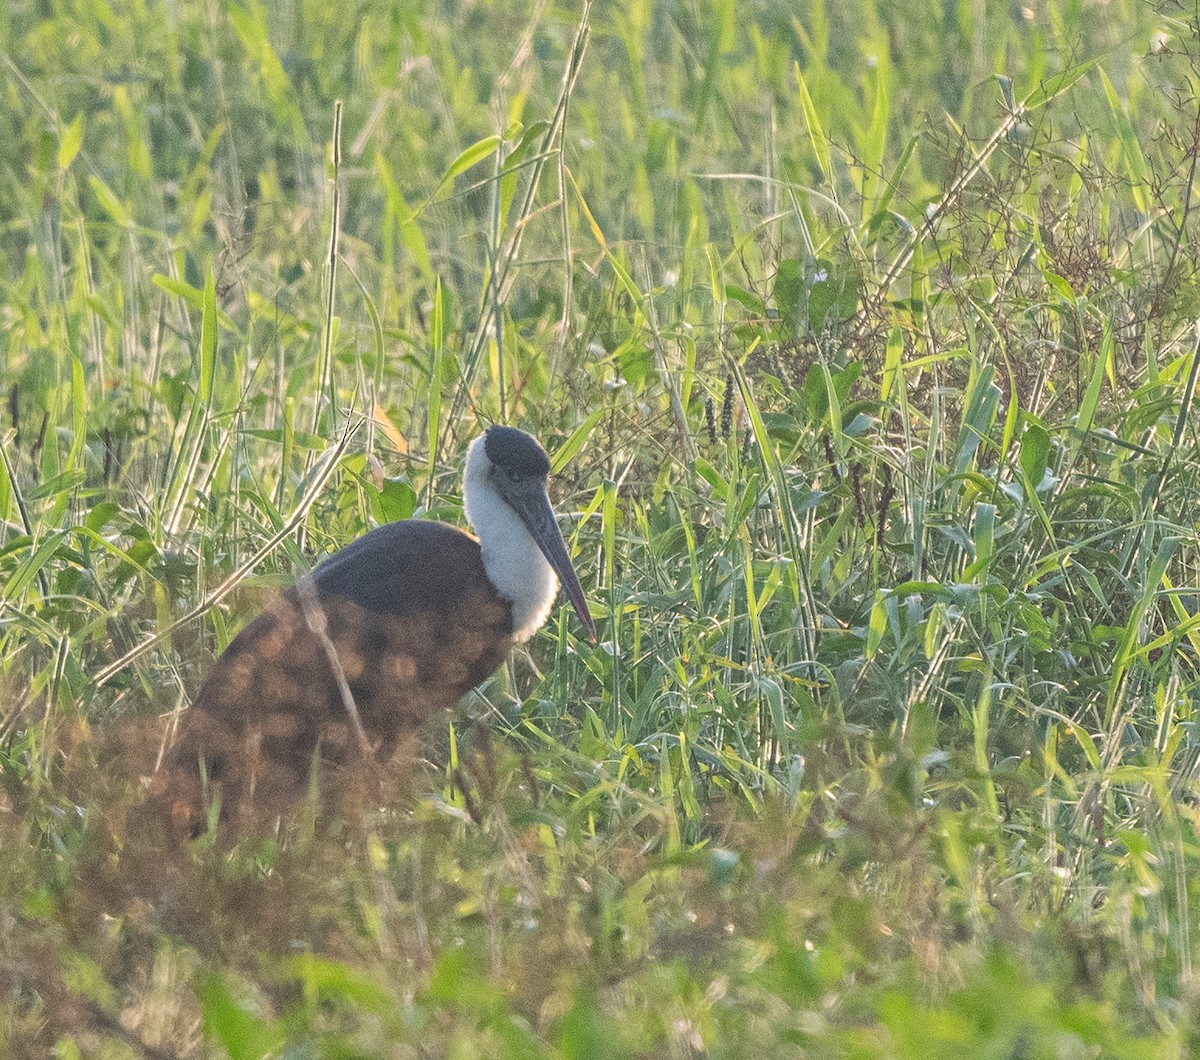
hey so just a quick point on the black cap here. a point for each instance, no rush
(511, 448)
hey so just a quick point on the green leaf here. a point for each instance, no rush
(109, 201)
(895, 179)
(472, 156)
(982, 399)
(30, 569)
(832, 300)
(891, 363)
(60, 484)
(299, 439)
(1061, 286)
(250, 23)
(984, 538)
(636, 361)
(529, 138)
(6, 487)
(1035, 452)
(208, 339)
(585, 1033)
(788, 291)
(1091, 398)
(437, 339)
(877, 624)
(244, 1035)
(326, 979)
(747, 298)
(101, 515)
(70, 143)
(816, 133)
(566, 452)
(516, 160)
(874, 143)
(192, 295)
(1131, 148)
(1059, 83)
(395, 501)
(405, 219)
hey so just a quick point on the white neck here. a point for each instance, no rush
(514, 563)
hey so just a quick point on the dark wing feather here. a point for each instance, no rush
(411, 566)
(414, 624)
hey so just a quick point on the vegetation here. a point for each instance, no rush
(864, 340)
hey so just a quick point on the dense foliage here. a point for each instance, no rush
(864, 339)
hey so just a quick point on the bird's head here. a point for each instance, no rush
(507, 467)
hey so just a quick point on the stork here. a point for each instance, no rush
(382, 635)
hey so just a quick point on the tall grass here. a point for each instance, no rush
(864, 341)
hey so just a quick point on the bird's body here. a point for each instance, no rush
(394, 628)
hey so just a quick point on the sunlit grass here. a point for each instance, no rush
(863, 339)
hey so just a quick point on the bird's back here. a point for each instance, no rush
(394, 628)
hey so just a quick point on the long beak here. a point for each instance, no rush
(538, 517)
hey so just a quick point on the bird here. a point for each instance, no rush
(384, 634)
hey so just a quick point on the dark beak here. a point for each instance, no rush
(538, 517)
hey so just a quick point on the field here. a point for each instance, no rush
(864, 340)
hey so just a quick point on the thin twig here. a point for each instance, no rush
(314, 615)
